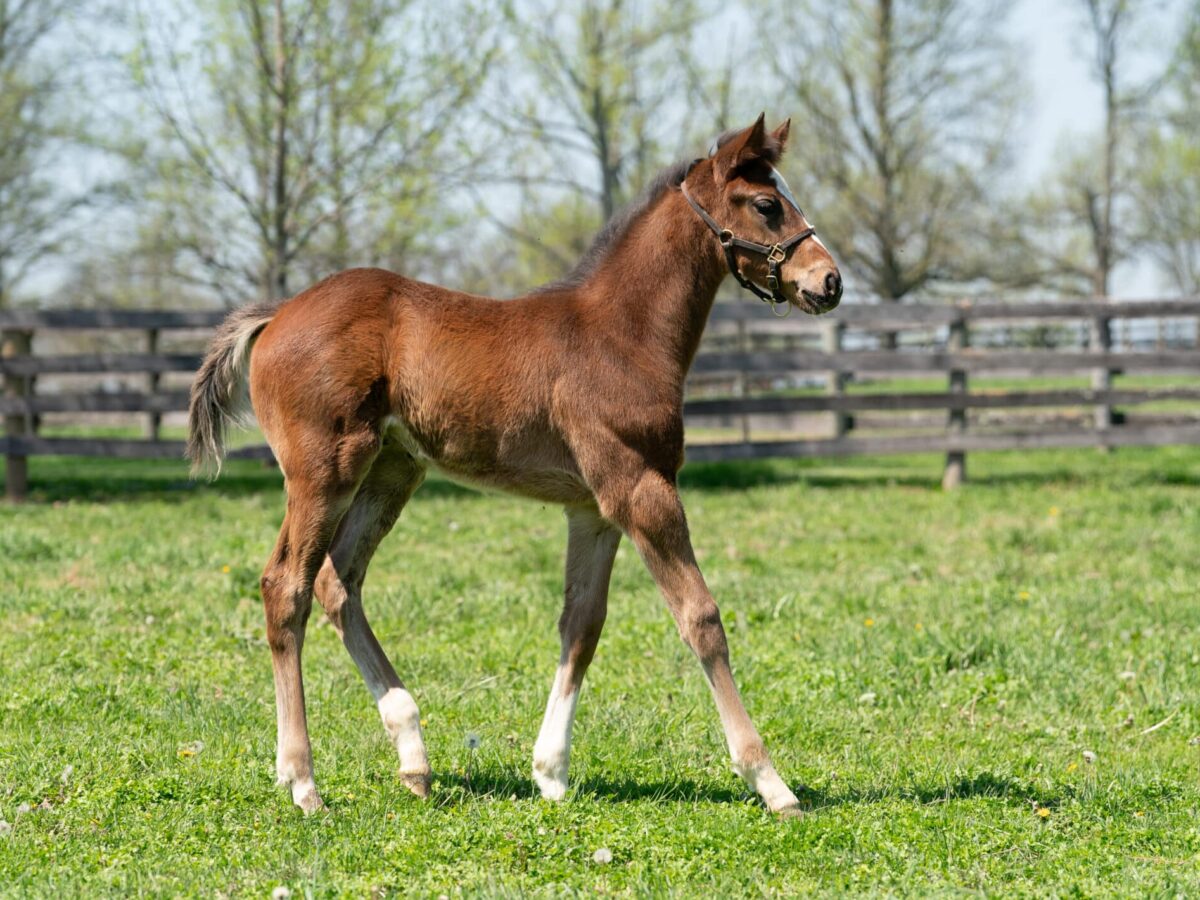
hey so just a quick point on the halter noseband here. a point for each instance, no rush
(775, 254)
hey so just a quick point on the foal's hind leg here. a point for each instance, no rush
(287, 583)
(380, 498)
(591, 547)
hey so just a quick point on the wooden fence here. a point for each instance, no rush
(808, 386)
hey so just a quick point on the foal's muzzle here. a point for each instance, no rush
(817, 303)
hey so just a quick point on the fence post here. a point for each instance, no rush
(153, 419)
(956, 421)
(16, 473)
(835, 380)
(739, 378)
(1101, 341)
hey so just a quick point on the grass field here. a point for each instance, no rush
(933, 667)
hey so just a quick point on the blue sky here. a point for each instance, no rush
(1067, 101)
(1065, 98)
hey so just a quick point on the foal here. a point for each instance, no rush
(570, 395)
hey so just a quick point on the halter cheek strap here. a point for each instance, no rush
(775, 254)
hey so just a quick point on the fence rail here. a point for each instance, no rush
(783, 378)
(862, 315)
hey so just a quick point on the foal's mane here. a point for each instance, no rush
(618, 226)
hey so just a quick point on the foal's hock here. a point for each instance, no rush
(572, 394)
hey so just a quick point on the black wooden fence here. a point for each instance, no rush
(760, 387)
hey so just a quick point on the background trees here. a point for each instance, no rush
(297, 134)
(1079, 223)
(586, 106)
(482, 142)
(904, 124)
(37, 131)
(1166, 187)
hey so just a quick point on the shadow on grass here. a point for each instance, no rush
(58, 479)
(62, 479)
(493, 784)
(858, 472)
(484, 784)
(984, 785)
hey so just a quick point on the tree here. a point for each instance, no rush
(295, 128)
(1166, 191)
(36, 129)
(905, 108)
(1078, 222)
(1108, 20)
(601, 76)
(589, 106)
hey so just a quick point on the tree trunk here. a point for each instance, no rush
(1109, 30)
(280, 248)
(608, 174)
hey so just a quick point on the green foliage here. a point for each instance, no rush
(1167, 186)
(36, 128)
(299, 137)
(903, 129)
(933, 666)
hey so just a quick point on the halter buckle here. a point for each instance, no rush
(725, 237)
(776, 254)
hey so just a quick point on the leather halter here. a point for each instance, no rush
(775, 254)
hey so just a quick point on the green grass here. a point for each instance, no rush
(932, 666)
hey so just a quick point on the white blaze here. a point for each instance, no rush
(786, 192)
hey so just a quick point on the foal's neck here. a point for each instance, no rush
(657, 285)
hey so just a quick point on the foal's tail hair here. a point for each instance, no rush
(219, 396)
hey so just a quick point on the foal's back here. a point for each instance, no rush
(465, 383)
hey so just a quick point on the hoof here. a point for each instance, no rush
(795, 811)
(553, 787)
(308, 800)
(417, 782)
(554, 791)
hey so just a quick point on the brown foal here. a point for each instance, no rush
(571, 395)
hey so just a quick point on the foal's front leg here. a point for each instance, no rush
(591, 547)
(654, 519)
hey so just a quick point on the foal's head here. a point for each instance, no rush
(742, 191)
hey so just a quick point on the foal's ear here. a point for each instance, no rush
(745, 147)
(780, 135)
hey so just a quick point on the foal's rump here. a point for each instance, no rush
(304, 360)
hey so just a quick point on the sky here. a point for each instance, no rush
(1049, 40)
(1066, 100)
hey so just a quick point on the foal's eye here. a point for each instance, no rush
(767, 206)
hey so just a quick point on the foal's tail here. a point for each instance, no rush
(219, 395)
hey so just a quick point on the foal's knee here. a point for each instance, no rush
(701, 629)
(583, 615)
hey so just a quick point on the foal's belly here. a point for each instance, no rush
(532, 468)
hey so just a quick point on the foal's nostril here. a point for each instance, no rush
(833, 285)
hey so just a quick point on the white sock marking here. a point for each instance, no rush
(765, 781)
(402, 720)
(552, 752)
